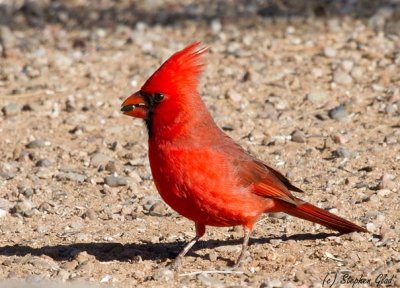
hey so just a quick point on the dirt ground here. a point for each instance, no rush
(310, 87)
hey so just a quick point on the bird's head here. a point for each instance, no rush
(171, 92)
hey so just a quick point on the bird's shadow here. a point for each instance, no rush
(106, 251)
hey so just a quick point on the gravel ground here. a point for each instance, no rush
(310, 87)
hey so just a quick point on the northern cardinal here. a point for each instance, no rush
(200, 171)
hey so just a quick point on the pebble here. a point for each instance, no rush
(338, 113)
(209, 281)
(44, 263)
(317, 97)
(391, 139)
(212, 256)
(7, 175)
(387, 181)
(298, 136)
(391, 109)
(7, 39)
(26, 191)
(11, 109)
(383, 192)
(233, 95)
(347, 65)
(159, 209)
(115, 181)
(371, 227)
(71, 176)
(82, 257)
(278, 215)
(90, 214)
(38, 143)
(5, 204)
(343, 152)
(358, 73)
(342, 77)
(43, 163)
(3, 213)
(99, 159)
(330, 52)
(63, 274)
(300, 276)
(164, 274)
(23, 207)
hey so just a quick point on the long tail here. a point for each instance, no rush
(312, 213)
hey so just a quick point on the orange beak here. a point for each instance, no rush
(135, 106)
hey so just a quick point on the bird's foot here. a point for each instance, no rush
(243, 259)
(175, 264)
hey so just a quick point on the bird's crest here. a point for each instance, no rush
(180, 73)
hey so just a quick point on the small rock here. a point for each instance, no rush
(213, 256)
(342, 77)
(383, 192)
(5, 204)
(330, 52)
(339, 138)
(278, 215)
(7, 175)
(26, 191)
(235, 96)
(343, 152)
(11, 109)
(63, 274)
(298, 137)
(391, 109)
(115, 181)
(38, 143)
(300, 276)
(7, 39)
(106, 279)
(206, 280)
(387, 181)
(347, 65)
(82, 257)
(99, 159)
(371, 227)
(356, 237)
(391, 139)
(358, 73)
(289, 285)
(90, 214)
(46, 207)
(43, 163)
(339, 112)
(317, 97)
(158, 209)
(216, 26)
(70, 265)
(44, 263)
(44, 173)
(23, 207)
(111, 167)
(71, 176)
(3, 213)
(163, 274)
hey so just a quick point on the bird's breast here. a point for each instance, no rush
(201, 185)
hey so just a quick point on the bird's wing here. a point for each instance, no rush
(264, 180)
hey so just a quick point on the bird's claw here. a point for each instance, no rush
(175, 264)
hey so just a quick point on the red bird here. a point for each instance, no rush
(200, 171)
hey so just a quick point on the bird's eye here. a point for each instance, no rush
(158, 97)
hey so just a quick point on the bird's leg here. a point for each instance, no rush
(239, 262)
(200, 230)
